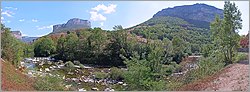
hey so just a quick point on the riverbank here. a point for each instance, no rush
(13, 79)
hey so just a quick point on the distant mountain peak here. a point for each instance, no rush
(72, 24)
(198, 14)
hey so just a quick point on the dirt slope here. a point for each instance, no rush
(234, 77)
(14, 80)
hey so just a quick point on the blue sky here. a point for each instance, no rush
(37, 18)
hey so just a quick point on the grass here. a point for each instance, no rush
(14, 80)
(207, 67)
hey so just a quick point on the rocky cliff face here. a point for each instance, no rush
(16, 34)
(72, 24)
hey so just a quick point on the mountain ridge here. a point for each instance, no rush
(198, 14)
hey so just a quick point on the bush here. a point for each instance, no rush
(49, 83)
(116, 74)
(172, 67)
(240, 57)
(100, 75)
(81, 65)
(206, 67)
(69, 64)
(169, 69)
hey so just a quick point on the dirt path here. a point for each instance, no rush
(234, 77)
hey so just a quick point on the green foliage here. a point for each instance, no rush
(44, 47)
(170, 27)
(95, 46)
(81, 65)
(171, 68)
(206, 67)
(100, 75)
(12, 48)
(240, 57)
(179, 48)
(49, 83)
(144, 70)
(70, 46)
(28, 50)
(69, 64)
(224, 32)
(116, 73)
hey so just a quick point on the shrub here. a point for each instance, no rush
(240, 57)
(169, 69)
(116, 73)
(81, 65)
(206, 67)
(100, 75)
(69, 64)
(172, 67)
(49, 83)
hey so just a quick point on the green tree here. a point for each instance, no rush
(28, 50)
(97, 43)
(60, 48)
(225, 31)
(44, 47)
(178, 49)
(145, 70)
(12, 48)
(118, 45)
(71, 46)
(168, 52)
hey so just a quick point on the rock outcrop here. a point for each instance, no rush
(16, 34)
(72, 24)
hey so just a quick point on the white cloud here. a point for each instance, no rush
(11, 8)
(107, 9)
(34, 20)
(97, 17)
(21, 20)
(2, 18)
(8, 13)
(44, 27)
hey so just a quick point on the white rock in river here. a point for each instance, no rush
(95, 89)
(107, 89)
(47, 69)
(82, 89)
(112, 90)
(67, 86)
(124, 84)
(120, 82)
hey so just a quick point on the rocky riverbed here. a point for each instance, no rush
(76, 78)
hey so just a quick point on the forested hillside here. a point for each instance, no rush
(165, 53)
(198, 14)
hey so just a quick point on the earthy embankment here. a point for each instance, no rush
(14, 80)
(234, 77)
